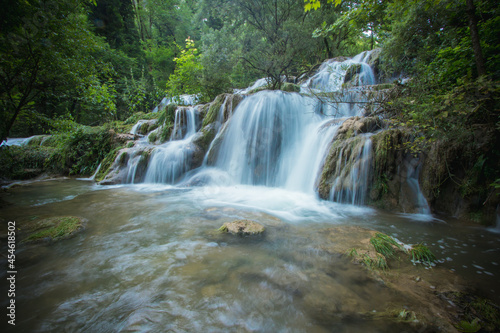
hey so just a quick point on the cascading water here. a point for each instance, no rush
(420, 204)
(353, 170)
(170, 161)
(332, 74)
(274, 139)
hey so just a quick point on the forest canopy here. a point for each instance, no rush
(95, 61)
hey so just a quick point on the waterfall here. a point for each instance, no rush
(421, 205)
(171, 160)
(333, 74)
(289, 141)
(353, 168)
(92, 178)
(184, 123)
(274, 139)
(136, 128)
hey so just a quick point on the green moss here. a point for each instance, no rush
(106, 164)
(165, 131)
(36, 141)
(223, 229)
(24, 162)
(153, 136)
(133, 119)
(213, 111)
(123, 158)
(256, 90)
(55, 228)
(167, 115)
(290, 87)
(469, 327)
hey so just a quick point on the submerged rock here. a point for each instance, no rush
(242, 227)
(53, 229)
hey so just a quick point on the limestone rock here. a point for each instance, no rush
(242, 227)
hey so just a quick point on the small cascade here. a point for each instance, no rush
(333, 74)
(352, 172)
(257, 84)
(184, 100)
(136, 128)
(416, 197)
(14, 142)
(92, 178)
(184, 123)
(171, 160)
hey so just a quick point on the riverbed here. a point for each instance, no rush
(151, 260)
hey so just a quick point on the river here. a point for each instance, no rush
(151, 260)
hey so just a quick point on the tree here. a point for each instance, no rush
(188, 71)
(49, 66)
(476, 43)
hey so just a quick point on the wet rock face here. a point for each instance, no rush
(357, 125)
(205, 136)
(243, 227)
(119, 172)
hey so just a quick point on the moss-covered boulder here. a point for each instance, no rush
(53, 229)
(344, 156)
(358, 125)
(205, 136)
(242, 227)
(129, 166)
(222, 107)
(290, 87)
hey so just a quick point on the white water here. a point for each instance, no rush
(137, 126)
(184, 100)
(275, 139)
(171, 160)
(351, 184)
(422, 207)
(331, 74)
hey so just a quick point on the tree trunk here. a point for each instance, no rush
(328, 50)
(474, 35)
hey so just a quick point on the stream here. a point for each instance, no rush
(151, 260)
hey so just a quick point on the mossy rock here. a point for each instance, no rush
(259, 89)
(106, 164)
(290, 87)
(352, 73)
(54, 229)
(242, 227)
(205, 136)
(133, 119)
(203, 111)
(213, 110)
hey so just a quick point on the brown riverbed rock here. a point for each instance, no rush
(242, 227)
(420, 285)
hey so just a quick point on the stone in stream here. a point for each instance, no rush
(242, 227)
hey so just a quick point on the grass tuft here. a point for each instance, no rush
(421, 254)
(385, 245)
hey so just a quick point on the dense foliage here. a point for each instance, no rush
(94, 62)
